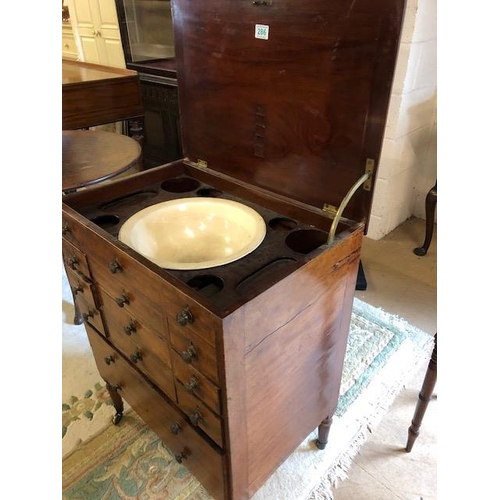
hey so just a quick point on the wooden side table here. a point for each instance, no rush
(93, 94)
(90, 156)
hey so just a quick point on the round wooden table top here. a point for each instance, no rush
(92, 156)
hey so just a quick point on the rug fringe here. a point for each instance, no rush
(339, 471)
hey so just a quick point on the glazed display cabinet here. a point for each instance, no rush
(147, 35)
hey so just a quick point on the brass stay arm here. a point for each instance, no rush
(333, 228)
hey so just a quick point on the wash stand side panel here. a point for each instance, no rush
(284, 355)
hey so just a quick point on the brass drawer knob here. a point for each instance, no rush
(73, 262)
(89, 314)
(109, 359)
(192, 384)
(179, 457)
(175, 428)
(122, 300)
(196, 417)
(189, 354)
(185, 317)
(66, 229)
(115, 266)
(136, 356)
(76, 289)
(130, 328)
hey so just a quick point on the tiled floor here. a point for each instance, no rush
(406, 285)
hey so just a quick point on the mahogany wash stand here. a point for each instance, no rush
(283, 106)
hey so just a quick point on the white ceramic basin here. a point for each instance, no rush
(194, 233)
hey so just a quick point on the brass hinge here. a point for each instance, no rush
(369, 166)
(201, 163)
(330, 209)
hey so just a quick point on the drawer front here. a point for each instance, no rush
(190, 319)
(73, 232)
(75, 259)
(143, 346)
(127, 298)
(90, 313)
(69, 45)
(200, 416)
(190, 380)
(195, 352)
(82, 287)
(198, 455)
(130, 330)
(114, 269)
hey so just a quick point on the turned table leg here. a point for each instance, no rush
(423, 398)
(430, 210)
(323, 431)
(117, 402)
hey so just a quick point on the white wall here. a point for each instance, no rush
(408, 164)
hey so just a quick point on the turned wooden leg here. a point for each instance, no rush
(323, 431)
(430, 211)
(117, 402)
(423, 398)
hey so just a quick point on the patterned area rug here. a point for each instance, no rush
(128, 461)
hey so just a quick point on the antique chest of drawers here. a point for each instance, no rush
(283, 106)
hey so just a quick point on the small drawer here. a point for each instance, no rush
(75, 259)
(73, 231)
(191, 317)
(127, 298)
(200, 416)
(195, 352)
(193, 382)
(69, 45)
(203, 459)
(81, 286)
(130, 331)
(155, 370)
(90, 314)
(144, 347)
(115, 269)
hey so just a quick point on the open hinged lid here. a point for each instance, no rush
(288, 95)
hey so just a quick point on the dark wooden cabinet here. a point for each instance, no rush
(162, 141)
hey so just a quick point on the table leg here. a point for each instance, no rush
(117, 402)
(430, 210)
(423, 398)
(323, 431)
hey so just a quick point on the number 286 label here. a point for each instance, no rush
(262, 31)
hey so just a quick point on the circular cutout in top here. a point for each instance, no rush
(282, 224)
(180, 184)
(306, 240)
(209, 192)
(206, 284)
(106, 221)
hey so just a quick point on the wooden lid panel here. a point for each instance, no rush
(297, 113)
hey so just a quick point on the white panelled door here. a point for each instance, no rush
(95, 24)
